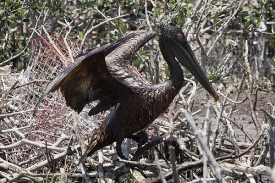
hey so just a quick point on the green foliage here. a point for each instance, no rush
(135, 61)
(272, 62)
(250, 17)
(231, 44)
(174, 13)
(272, 42)
(16, 12)
(80, 35)
(90, 13)
(12, 14)
(214, 75)
(167, 71)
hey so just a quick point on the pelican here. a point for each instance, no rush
(105, 75)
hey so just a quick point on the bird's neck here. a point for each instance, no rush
(176, 73)
(167, 91)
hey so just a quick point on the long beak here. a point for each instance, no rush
(186, 57)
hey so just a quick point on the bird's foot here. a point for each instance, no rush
(146, 147)
(140, 137)
(132, 166)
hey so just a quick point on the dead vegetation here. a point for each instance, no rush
(196, 140)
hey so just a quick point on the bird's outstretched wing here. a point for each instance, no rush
(118, 60)
(89, 79)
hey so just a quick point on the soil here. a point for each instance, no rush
(242, 112)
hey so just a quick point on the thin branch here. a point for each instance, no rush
(204, 146)
(98, 25)
(27, 45)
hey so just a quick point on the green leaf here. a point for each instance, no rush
(259, 20)
(124, 29)
(272, 62)
(21, 12)
(39, 6)
(80, 35)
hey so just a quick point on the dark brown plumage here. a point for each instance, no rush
(104, 74)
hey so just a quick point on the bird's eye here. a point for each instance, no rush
(180, 36)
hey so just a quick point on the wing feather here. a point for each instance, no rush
(89, 78)
(120, 58)
(85, 80)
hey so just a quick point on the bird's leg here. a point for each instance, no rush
(141, 138)
(121, 155)
(147, 147)
(119, 151)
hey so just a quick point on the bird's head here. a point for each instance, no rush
(175, 40)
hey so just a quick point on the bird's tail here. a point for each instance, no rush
(90, 148)
(100, 136)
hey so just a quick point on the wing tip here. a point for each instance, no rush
(38, 104)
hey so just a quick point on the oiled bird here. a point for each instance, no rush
(104, 74)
